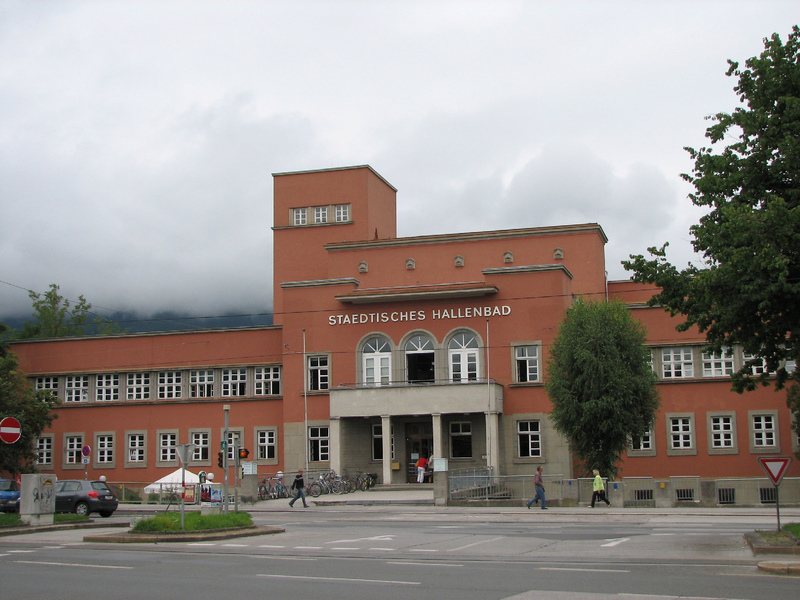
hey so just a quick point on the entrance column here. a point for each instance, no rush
(335, 440)
(493, 441)
(386, 440)
(438, 438)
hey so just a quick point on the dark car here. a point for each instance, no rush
(85, 497)
(9, 495)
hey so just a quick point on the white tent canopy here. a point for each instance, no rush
(171, 482)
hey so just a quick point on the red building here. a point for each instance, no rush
(385, 348)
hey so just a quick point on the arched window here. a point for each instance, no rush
(463, 357)
(420, 359)
(377, 361)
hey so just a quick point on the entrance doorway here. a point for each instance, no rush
(419, 442)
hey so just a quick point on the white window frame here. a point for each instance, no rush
(319, 443)
(318, 372)
(170, 385)
(201, 383)
(644, 446)
(267, 445)
(722, 433)
(202, 446)
(718, 364)
(167, 447)
(234, 382)
(376, 363)
(107, 387)
(463, 357)
(677, 362)
(460, 429)
(76, 389)
(73, 449)
(681, 434)
(320, 214)
(44, 450)
(135, 448)
(342, 213)
(529, 438)
(267, 381)
(299, 216)
(138, 386)
(104, 448)
(764, 431)
(526, 363)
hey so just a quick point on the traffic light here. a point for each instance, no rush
(220, 460)
(244, 453)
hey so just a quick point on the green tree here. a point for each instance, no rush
(54, 316)
(33, 410)
(601, 383)
(747, 290)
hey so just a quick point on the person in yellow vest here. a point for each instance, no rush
(599, 489)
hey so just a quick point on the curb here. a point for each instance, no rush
(182, 536)
(780, 568)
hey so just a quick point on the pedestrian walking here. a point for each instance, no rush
(298, 485)
(599, 489)
(538, 485)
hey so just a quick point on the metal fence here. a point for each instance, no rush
(482, 485)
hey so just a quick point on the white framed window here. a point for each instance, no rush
(377, 441)
(136, 448)
(73, 446)
(267, 444)
(527, 363)
(420, 359)
(201, 384)
(642, 444)
(377, 361)
(318, 444)
(718, 364)
(202, 446)
(300, 216)
(529, 436)
(167, 447)
(47, 384)
(318, 373)
(234, 382)
(138, 386)
(676, 363)
(463, 357)
(764, 431)
(460, 439)
(320, 214)
(342, 213)
(267, 381)
(76, 388)
(722, 433)
(44, 450)
(170, 385)
(104, 449)
(235, 440)
(758, 365)
(680, 435)
(107, 388)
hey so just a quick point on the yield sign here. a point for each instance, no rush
(775, 466)
(9, 430)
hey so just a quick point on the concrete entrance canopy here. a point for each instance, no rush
(429, 400)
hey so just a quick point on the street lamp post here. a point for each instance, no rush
(226, 408)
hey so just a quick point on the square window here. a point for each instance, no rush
(718, 365)
(234, 382)
(267, 381)
(107, 388)
(676, 363)
(170, 385)
(138, 386)
(201, 384)
(527, 359)
(320, 214)
(77, 388)
(342, 213)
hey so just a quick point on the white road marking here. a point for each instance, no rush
(616, 542)
(347, 579)
(585, 570)
(474, 544)
(58, 564)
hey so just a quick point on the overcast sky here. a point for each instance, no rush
(138, 139)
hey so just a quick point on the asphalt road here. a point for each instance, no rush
(398, 552)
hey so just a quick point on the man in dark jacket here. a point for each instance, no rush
(298, 485)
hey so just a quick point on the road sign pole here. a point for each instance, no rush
(226, 408)
(775, 467)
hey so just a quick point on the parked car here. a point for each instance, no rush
(9, 495)
(85, 497)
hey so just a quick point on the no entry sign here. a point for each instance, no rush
(10, 430)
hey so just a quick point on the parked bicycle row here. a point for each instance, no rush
(327, 482)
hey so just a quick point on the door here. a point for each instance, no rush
(419, 442)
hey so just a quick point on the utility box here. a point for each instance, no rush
(37, 499)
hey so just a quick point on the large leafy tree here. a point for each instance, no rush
(33, 410)
(747, 291)
(601, 383)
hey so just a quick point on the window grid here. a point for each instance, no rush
(644, 443)
(201, 384)
(170, 385)
(527, 364)
(202, 443)
(105, 449)
(234, 382)
(319, 444)
(530, 439)
(44, 450)
(342, 213)
(681, 433)
(136, 448)
(107, 389)
(461, 439)
(763, 431)
(167, 450)
(266, 444)
(47, 383)
(74, 445)
(77, 388)
(320, 214)
(676, 363)
(300, 216)
(318, 375)
(718, 365)
(138, 386)
(267, 381)
(721, 432)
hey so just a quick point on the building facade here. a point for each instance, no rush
(384, 349)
